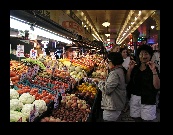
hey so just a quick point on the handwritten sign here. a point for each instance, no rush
(32, 114)
(54, 67)
(20, 120)
(33, 53)
(23, 77)
(20, 51)
(56, 100)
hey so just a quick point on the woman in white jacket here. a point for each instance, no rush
(113, 88)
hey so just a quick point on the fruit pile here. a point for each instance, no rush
(87, 87)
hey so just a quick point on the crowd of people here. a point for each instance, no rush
(132, 83)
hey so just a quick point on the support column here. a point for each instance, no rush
(135, 36)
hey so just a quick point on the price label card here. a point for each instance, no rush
(20, 120)
(33, 53)
(20, 51)
(56, 100)
(36, 69)
(32, 114)
(54, 67)
(23, 77)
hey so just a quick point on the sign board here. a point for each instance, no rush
(33, 53)
(20, 51)
(32, 114)
(56, 100)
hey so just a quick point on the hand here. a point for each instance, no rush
(132, 64)
(151, 65)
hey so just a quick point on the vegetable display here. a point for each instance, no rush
(14, 94)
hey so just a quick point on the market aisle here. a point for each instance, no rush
(125, 117)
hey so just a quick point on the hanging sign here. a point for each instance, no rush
(45, 43)
(20, 51)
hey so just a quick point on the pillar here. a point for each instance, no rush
(135, 36)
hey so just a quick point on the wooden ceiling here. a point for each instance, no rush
(119, 21)
(116, 18)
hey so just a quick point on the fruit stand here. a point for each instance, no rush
(60, 90)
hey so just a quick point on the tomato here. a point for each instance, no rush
(13, 78)
(43, 91)
(17, 77)
(41, 96)
(31, 93)
(47, 101)
(49, 96)
(44, 98)
(19, 91)
(37, 98)
(37, 94)
(53, 97)
(44, 94)
(12, 74)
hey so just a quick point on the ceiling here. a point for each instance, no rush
(119, 20)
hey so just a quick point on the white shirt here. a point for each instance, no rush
(126, 63)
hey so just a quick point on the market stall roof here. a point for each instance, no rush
(39, 20)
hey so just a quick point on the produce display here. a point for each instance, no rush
(71, 109)
(64, 76)
(20, 106)
(16, 70)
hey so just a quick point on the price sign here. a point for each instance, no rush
(54, 67)
(32, 114)
(33, 53)
(23, 77)
(20, 51)
(56, 100)
(20, 120)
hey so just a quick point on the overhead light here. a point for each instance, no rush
(152, 27)
(106, 24)
(108, 39)
(107, 35)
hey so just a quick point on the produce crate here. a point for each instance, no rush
(94, 109)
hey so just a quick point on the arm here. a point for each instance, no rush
(128, 75)
(156, 79)
(131, 66)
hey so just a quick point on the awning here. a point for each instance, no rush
(29, 16)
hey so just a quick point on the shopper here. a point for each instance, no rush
(113, 88)
(126, 58)
(125, 64)
(145, 82)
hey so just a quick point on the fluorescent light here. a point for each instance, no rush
(44, 33)
(13, 36)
